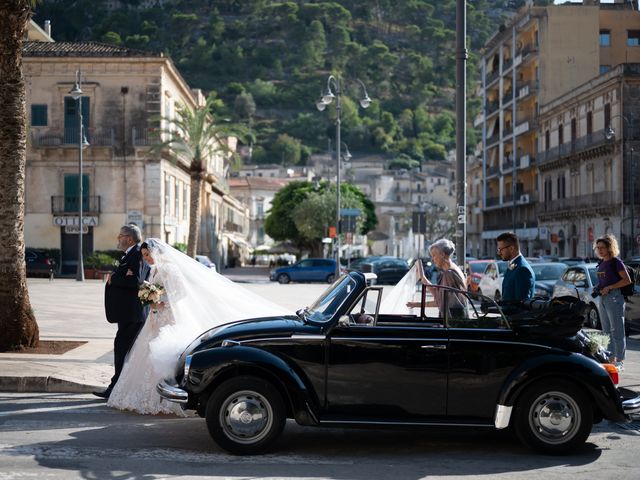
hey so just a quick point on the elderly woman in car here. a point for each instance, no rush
(450, 276)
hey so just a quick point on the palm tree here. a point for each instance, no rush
(193, 136)
(17, 321)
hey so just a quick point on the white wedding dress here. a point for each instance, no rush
(196, 299)
(136, 387)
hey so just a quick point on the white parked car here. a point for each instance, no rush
(206, 261)
(491, 282)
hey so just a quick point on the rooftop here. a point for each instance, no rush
(81, 49)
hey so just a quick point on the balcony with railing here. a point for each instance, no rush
(492, 107)
(493, 171)
(493, 139)
(69, 204)
(229, 226)
(492, 77)
(97, 137)
(580, 203)
(582, 144)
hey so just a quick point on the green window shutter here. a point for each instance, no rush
(39, 115)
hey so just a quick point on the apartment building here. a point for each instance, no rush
(587, 169)
(539, 55)
(127, 95)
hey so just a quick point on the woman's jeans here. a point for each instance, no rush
(613, 322)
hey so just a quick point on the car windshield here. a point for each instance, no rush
(548, 272)
(478, 267)
(330, 301)
(502, 267)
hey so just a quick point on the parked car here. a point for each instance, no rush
(547, 274)
(342, 363)
(307, 270)
(491, 282)
(579, 281)
(206, 261)
(389, 270)
(38, 263)
(474, 271)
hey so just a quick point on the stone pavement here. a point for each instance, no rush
(68, 310)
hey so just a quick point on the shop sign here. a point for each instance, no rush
(64, 221)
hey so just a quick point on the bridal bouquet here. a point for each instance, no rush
(150, 293)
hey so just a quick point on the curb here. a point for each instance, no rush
(44, 385)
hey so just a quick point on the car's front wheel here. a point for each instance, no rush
(245, 415)
(330, 278)
(592, 317)
(497, 296)
(283, 278)
(554, 417)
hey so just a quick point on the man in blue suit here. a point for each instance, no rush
(519, 280)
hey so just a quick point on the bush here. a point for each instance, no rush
(180, 246)
(100, 260)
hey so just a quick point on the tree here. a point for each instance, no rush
(302, 212)
(287, 149)
(195, 137)
(17, 321)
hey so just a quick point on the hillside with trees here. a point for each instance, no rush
(267, 62)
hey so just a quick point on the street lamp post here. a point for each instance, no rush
(325, 99)
(76, 94)
(610, 134)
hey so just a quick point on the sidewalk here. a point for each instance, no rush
(68, 310)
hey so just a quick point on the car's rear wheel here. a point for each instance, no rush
(592, 317)
(283, 278)
(554, 417)
(330, 278)
(497, 296)
(245, 415)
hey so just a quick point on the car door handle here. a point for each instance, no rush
(434, 347)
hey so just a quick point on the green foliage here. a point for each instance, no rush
(302, 212)
(180, 246)
(287, 149)
(101, 260)
(280, 52)
(403, 161)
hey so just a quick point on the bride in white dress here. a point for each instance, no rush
(196, 299)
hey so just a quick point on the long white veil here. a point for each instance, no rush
(403, 292)
(199, 298)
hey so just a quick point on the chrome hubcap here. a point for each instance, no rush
(593, 318)
(554, 417)
(246, 417)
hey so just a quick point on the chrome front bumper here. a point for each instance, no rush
(172, 392)
(630, 401)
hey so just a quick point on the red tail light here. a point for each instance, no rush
(613, 372)
(47, 262)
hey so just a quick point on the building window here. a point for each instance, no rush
(633, 38)
(560, 134)
(604, 68)
(547, 139)
(185, 197)
(259, 209)
(607, 115)
(605, 38)
(38, 115)
(176, 200)
(167, 194)
(574, 131)
(589, 123)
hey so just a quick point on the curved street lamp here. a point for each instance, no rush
(76, 93)
(334, 91)
(610, 134)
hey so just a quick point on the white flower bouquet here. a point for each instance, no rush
(150, 293)
(597, 341)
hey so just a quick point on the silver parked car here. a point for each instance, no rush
(578, 281)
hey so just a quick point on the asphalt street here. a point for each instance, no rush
(73, 436)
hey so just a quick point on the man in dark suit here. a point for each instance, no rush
(121, 302)
(519, 280)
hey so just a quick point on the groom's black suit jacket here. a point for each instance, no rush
(121, 302)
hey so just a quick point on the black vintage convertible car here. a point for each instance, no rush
(343, 362)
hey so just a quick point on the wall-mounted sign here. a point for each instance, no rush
(74, 230)
(135, 217)
(64, 221)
